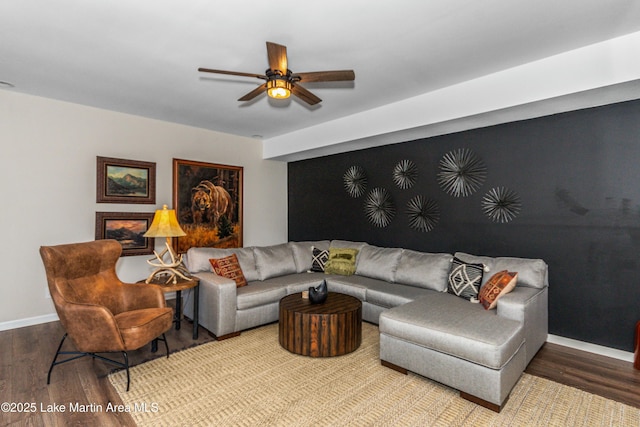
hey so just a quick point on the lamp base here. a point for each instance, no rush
(173, 269)
(171, 273)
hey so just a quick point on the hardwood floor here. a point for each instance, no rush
(612, 378)
(25, 355)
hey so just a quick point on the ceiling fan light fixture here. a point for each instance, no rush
(279, 88)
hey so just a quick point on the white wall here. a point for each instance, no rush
(48, 187)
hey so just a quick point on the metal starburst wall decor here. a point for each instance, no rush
(379, 207)
(405, 174)
(501, 204)
(462, 172)
(423, 213)
(355, 181)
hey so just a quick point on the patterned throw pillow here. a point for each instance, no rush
(500, 284)
(229, 267)
(464, 279)
(319, 259)
(341, 261)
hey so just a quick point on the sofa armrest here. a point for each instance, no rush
(530, 307)
(217, 303)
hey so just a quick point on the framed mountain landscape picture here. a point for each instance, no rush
(125, 181)
(128, 229)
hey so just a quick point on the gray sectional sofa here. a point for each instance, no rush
(423, 328)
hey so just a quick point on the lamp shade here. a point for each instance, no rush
(165, 224)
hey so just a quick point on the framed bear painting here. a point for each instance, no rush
(207, 198)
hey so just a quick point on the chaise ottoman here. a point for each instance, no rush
(457, 343)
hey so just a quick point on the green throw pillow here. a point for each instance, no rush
(341, 261)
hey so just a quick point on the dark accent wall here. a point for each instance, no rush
(578, 178)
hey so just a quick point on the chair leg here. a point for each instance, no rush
(166, 345)
(53, 362)
(126, 365)
(154, 344)
(78, 354)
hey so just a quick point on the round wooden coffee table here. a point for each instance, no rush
(332, 328)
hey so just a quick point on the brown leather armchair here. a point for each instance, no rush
(99, 313)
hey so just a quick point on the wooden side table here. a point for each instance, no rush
(332, 328)
(178, 287)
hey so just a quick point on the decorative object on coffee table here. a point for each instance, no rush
(462, 172)
(501, 204)
(165, 224)
(318, 295)
(423, 213)
(405, 174)
(379, 208)
(320, 330)
(355, 181)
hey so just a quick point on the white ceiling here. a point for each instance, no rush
(141, 57)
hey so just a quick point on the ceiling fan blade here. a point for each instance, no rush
(257, 91)
(326, 76)
(277, 57)
(232, 73)
(305, 95)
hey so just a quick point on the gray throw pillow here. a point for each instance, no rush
(378, 263)
(274, 261)
(424, 270)
(302, 253)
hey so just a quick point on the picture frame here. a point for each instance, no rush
(207, 198)
(128, 229)
(125, 181)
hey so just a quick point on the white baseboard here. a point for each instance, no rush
(591, 348)
(30, 321)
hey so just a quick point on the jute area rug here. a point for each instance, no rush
(251, 381)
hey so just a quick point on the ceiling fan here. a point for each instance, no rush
(281, 82)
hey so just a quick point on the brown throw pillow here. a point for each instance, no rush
(229, 267)
(500, 284)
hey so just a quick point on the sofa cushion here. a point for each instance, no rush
(464, 279)
(356, 286)
(455, 327)
(499, 284)
(319, 259)
(378, 263)
(259, 294)
(229, 267)
(297, 282)
(274, 261)
(302, 253)
(341, 261)
(424, 270)
(531, 272)
(197, 260)
(387, 295)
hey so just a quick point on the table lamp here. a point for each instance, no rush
(165, 224)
